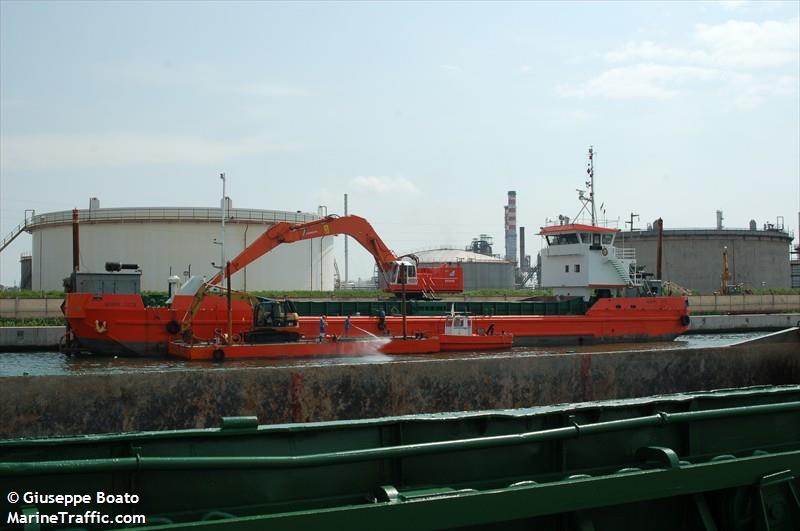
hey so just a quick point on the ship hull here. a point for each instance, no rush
(475, 342)
(121, 325)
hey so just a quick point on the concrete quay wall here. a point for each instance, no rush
(101, 403)
(740, 322)
(30, 337)
(30, 308)
(723, 304)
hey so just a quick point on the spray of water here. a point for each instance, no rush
(373, 354)
(365, 331)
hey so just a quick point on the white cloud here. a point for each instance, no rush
(649, 51)
(725, 54)
(751, 45)
(451, 68)
(34, 152)
(385, 185)
(643, 81)
(734, 44)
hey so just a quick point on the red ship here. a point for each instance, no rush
(122, 325)
(580, 260)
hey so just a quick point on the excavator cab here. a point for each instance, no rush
(274, 313)
(407, 268)
(273, 321)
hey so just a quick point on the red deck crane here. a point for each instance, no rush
(420, 282)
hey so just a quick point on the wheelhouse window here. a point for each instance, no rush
(577, 268)
(566, 268)
(607, 239)
(562, 239)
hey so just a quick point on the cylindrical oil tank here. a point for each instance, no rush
(480, 271)
(168, 241)
(692, 258)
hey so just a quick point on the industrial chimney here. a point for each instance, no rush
(511, 227)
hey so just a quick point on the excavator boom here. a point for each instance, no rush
(356, 227)
(447, 277)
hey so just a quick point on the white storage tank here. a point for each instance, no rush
(168, 241)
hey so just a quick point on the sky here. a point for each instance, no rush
(426, 114)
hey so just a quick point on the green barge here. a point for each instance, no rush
(724, 460)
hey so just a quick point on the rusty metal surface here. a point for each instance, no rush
(64, 405)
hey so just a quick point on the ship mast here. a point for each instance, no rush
(588, 202)
(590, 183)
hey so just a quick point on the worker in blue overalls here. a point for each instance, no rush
(381, 319)
(322, 324)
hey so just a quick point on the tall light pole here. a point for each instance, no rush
(346, 271)
(223, 210)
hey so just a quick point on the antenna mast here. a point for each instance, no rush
(588, 202)
(590, 183)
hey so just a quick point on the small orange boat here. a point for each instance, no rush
(411, 345)
(330, 346)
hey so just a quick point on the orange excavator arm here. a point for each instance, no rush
(354, 226)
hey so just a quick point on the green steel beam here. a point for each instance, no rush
(513, 503)
(388, 452)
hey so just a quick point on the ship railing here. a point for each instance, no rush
(605, 223)
(625, 253)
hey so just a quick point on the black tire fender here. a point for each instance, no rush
(685, 320)
(173, 327)
(218, 355)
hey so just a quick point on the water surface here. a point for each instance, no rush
(57, 363)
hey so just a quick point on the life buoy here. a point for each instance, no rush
(604, 251)
(173, 327)
(218, 355)
(685, 320)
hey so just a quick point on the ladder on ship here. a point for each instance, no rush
(620, 268)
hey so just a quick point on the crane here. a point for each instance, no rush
(419, 281)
